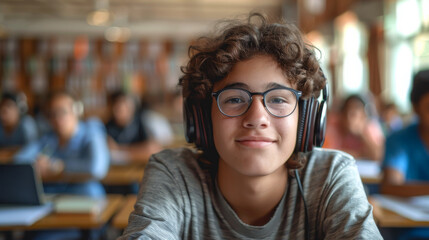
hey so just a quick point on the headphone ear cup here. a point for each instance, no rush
(311, 122)
(198, 129)
(188, 120)
(320, 125)
(205, 130)
(302, 105)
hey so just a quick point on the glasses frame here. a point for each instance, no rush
(263, 94)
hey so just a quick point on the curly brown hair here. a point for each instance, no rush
(212, 58)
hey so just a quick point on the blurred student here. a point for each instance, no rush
(355, 131)
(406, 156)
(157, 125)
(73, 147)
(128, 135)
(16, 127)
(390, 118)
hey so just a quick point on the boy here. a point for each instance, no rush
(241, 93)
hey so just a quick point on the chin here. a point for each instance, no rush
(253, 165)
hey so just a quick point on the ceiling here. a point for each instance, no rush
(145, 18)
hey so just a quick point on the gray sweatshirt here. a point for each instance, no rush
(179, 199)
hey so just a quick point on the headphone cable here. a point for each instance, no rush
(298, 180)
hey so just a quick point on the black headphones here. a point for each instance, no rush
(311, 123)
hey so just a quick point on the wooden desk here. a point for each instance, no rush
(371, 180)
(387, 218)
(369, 171)
(81, 221)
(124, 175)
(120, 220)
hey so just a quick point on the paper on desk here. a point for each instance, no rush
(79, 204)
(415, 208)
(368, 168)
(23, 215)
(118, 157)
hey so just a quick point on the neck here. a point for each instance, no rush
(65, 137)
(254, 199)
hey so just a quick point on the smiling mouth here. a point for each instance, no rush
(255, 143)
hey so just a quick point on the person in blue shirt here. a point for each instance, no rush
(406, 156)
(16, 127)
(73, 148)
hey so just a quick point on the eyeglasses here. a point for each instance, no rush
(279, 102)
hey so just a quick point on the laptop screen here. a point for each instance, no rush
(20, 185)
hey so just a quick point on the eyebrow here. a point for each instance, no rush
(237, 85)
(275, 85)
(245, 86)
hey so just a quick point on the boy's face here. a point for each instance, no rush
(255, 143)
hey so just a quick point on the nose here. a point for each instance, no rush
(256, 116)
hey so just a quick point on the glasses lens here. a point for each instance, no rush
(280, 102)
(233, 102)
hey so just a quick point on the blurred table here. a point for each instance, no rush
(386, 218)
(120, 220)
(369, 171)
(72, 220)
(124, 175)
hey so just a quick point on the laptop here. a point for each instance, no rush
(21, 195)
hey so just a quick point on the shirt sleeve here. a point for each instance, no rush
(395, 156)
(347, 212)
(29, 152)
(30, 129)
(157, 213)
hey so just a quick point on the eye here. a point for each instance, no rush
(234, 100)
(278, 100)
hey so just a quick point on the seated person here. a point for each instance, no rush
(73, 147)
(406, 156)
(16, 128)
(157, 125)
(354, 131)
(242, 88)
(128, 137)
(391, 119)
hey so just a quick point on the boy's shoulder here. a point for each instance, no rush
(176, 157)
(332, 158)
